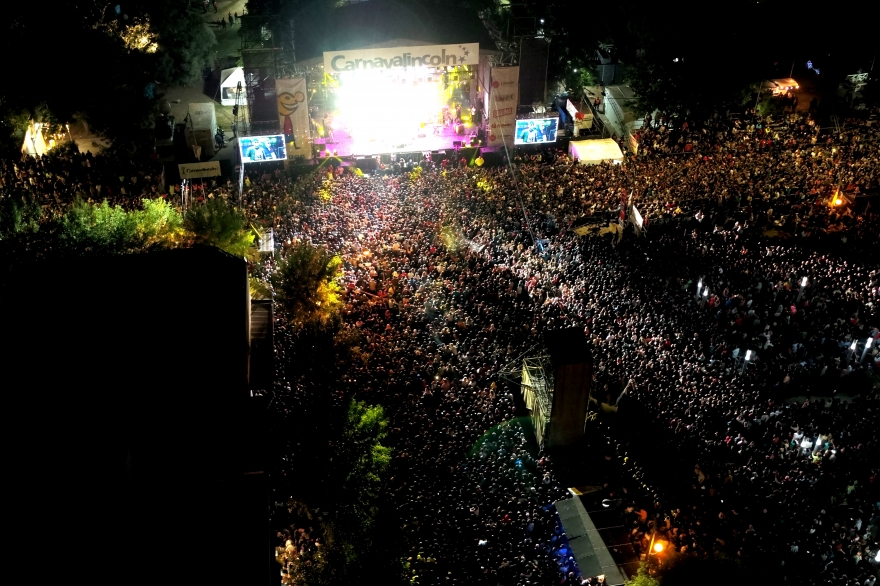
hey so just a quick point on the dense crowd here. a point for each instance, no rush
(755, 280)
(62, 175)
(445, 281)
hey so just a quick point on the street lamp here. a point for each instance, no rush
(746, 361)
(804, 282)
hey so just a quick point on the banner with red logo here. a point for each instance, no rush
(503, 99)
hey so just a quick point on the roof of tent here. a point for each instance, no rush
(202, 116)
(232, 76)
(595, 150)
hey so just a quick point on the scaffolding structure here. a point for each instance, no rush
(259, 57)
(536, 387)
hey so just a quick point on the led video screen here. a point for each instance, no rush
(535, 130)
(258, 149)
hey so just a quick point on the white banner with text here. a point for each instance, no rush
(199, 170)
(402, 57)
(503, 98)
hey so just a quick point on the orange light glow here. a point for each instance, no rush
(658, 547)
(838, 201)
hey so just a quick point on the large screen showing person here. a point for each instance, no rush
(258, 149)
(535, 130)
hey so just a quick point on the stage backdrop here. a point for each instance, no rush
(293, 113)
(503, 98)
(402, 57)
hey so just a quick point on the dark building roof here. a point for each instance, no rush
(370, 23)
(125, 392)
(568, 346)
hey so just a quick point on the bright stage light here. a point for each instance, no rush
(388, 106)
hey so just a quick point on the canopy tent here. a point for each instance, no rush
(229, 80)
(593, 152)
(34, 144)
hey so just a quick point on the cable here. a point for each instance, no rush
(515, 182)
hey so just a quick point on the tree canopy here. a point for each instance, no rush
(102, 228)
(115, 60)
(305, 284)
(218, 223)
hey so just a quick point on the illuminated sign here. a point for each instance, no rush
(402, 57)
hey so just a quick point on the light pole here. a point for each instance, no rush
(746, 361)
(868, 343)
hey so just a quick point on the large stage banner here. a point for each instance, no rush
(402, 57)
(503, 98)
(293, 114)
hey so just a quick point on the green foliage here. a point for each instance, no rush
(92, 227)
(19, 214)
(218, 223)
(575, 82)
(260, 289)
(98, 228)
(643, 578)
(770, 106)
(306, 287)
(359, 462)
(186, 44)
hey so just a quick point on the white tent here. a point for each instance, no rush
(229, 80)
(593, 152)
(34, 144)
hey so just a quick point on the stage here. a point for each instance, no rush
(344, 145)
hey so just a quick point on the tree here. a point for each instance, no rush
(185, 43)
(19, 213)
(305, 285)
(643, 578)
(101, 228)
(218, 223)
(358, 464)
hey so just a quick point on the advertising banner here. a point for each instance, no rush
(199, 170)
(293, 115)
(503, 99)
(402, 57)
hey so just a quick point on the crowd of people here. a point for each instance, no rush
(59, 177)
(445, 280)
(756, 278)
